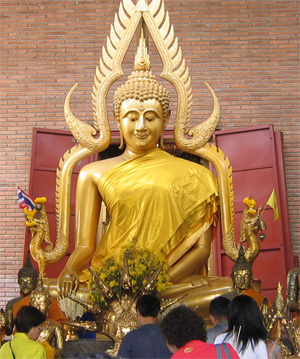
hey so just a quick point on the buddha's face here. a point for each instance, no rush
(242, 280)
(141, 124)
(42, 303)
(27, 285)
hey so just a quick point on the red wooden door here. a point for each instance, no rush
(256, 158)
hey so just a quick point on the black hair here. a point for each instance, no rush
(181, 325)
(245, 320)
(28, 317)
(148, 305)
(218, 307)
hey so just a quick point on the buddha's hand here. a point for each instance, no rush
(67, 283)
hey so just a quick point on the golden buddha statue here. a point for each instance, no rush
(51, 333)
(150, 195)
(27, 280)
(170, 205)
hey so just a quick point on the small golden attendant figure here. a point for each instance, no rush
(51, 335)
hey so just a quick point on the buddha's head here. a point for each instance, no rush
(241, 272)
(27, 277)
(40, 298)
(141, 106)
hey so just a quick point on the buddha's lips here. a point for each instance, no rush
(141, 136)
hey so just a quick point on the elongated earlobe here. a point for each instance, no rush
(161, 142)
(121, 138)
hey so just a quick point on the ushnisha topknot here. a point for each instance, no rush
(27, 270)
(142, 84)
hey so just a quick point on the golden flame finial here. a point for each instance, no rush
(142, 61)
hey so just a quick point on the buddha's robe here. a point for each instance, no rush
(54, 313)
(158, 199)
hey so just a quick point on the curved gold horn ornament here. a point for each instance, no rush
(83, 132)
(201, 133)
(223, 169)
(63, 194)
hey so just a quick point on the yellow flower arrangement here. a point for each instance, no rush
(40, 200)
(142, 264)
(250, 203)
(29, 215)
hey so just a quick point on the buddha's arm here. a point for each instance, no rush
(194, 260)
(88, 203)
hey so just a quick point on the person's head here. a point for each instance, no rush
(40, 299)
(148, 306)
(245, 320)
(141, 106)
(218, 309)
(27, 277)
(180, 326)
(241, 272)
(28, 321)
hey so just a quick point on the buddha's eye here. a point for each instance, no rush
(150, 116)
(133, 116)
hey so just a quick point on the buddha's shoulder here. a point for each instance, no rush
(189, 164)
(100, 167)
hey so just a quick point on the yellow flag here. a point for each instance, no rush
(272, 202)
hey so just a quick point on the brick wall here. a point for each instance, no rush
(248, 51)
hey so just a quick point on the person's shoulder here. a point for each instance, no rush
(148, 328)
(131, 334)
(220, 338)
(4, 351)
(227, 347)
(38, 350)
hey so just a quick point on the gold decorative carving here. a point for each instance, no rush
(278, 318)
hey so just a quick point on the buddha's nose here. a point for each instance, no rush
(141, 123)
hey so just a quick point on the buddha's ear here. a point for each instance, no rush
(166, 119)
(117, 120)
(120, 130)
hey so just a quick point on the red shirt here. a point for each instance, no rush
(198, 349)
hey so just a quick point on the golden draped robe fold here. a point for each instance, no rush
(160, 200)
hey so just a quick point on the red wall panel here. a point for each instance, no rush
(257, 164)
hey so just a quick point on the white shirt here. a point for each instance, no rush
(259, 351)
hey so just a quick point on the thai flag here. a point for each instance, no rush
(25, 200)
